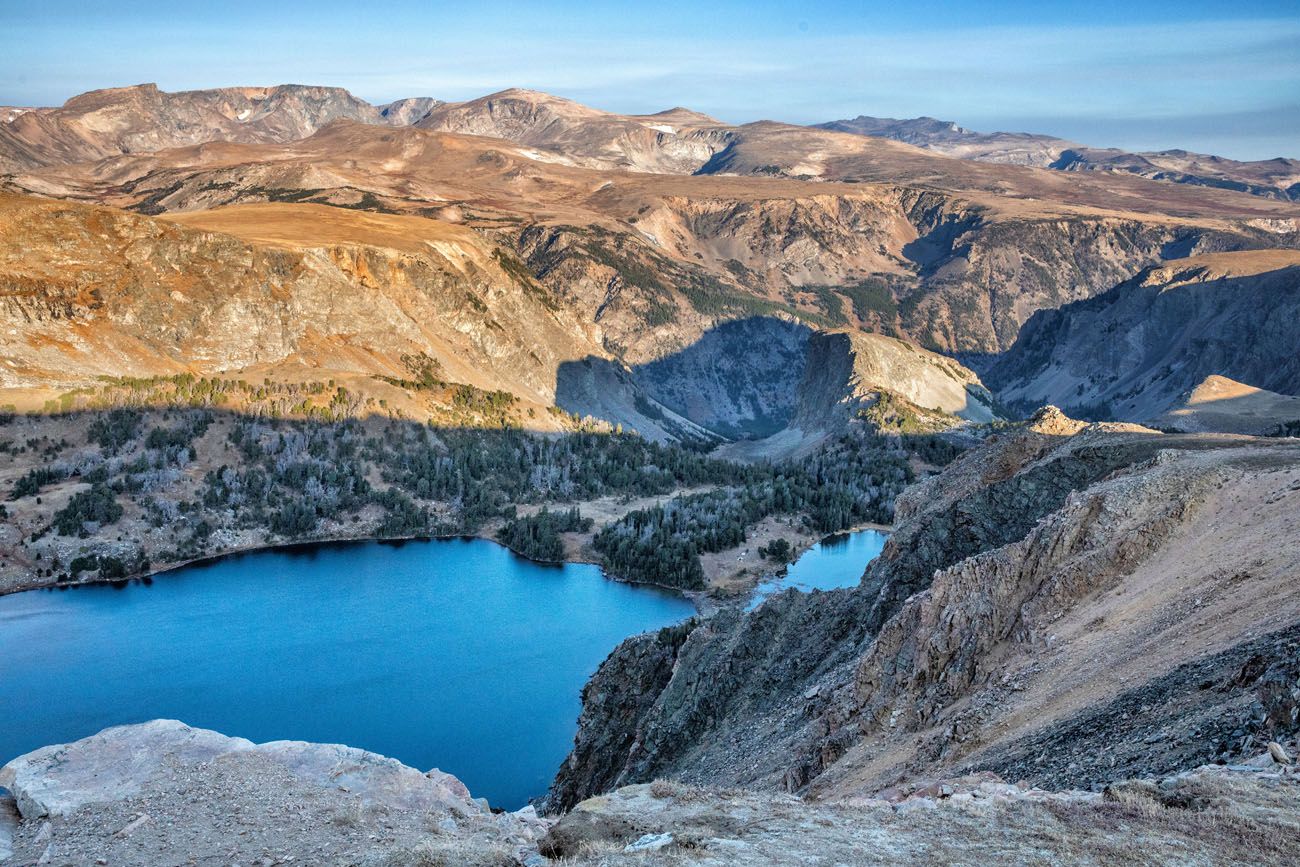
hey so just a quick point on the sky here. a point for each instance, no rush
(1208, 76)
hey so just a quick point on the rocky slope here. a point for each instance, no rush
(1064, 578)
(1135, 351)
(150, 793)
(1198, 815)
(162, 792)
(848, 371)
(1276, 178)
(1221, 404)
(92, 292)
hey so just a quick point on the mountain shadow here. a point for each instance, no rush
(740, 380)
(1137, 350)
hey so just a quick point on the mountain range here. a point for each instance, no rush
(1277, 178)
(665, 272)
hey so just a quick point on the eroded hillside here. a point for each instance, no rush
(1069, 604)
(833, 228)
(1133, 352)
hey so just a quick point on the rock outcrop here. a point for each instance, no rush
(150, 793)
(1188, 816)
(847, 372)
(847, 377)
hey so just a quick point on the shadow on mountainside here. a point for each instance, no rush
(1251, 411)
(777, 381)
(1136, 351)
(739, 380)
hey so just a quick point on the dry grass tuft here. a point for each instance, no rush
(461, 853)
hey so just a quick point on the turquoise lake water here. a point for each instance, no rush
(454, 654)
(834, 562)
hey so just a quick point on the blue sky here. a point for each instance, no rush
(1215, 77)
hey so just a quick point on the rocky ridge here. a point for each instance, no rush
(676, 141)
(124, 120)
(1276, 178)
(1040, 566)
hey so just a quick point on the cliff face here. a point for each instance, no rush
(91, 292)
(847, 372)
(1040, 566)
(1134, 351)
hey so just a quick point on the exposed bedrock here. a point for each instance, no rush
(974, 597)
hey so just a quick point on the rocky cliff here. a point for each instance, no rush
(1135, 351)
(1065, 565)
(849, 378)
(847, 372)
(91, 292)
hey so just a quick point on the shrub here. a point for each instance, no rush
(98, 504)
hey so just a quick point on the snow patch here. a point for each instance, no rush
(540, 157)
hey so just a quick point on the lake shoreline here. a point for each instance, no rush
(705, 601)
(365, 643)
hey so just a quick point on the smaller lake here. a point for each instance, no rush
(834, 562)
(454, 654)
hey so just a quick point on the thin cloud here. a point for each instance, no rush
(1106, 84)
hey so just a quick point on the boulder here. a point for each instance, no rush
(119, 761)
